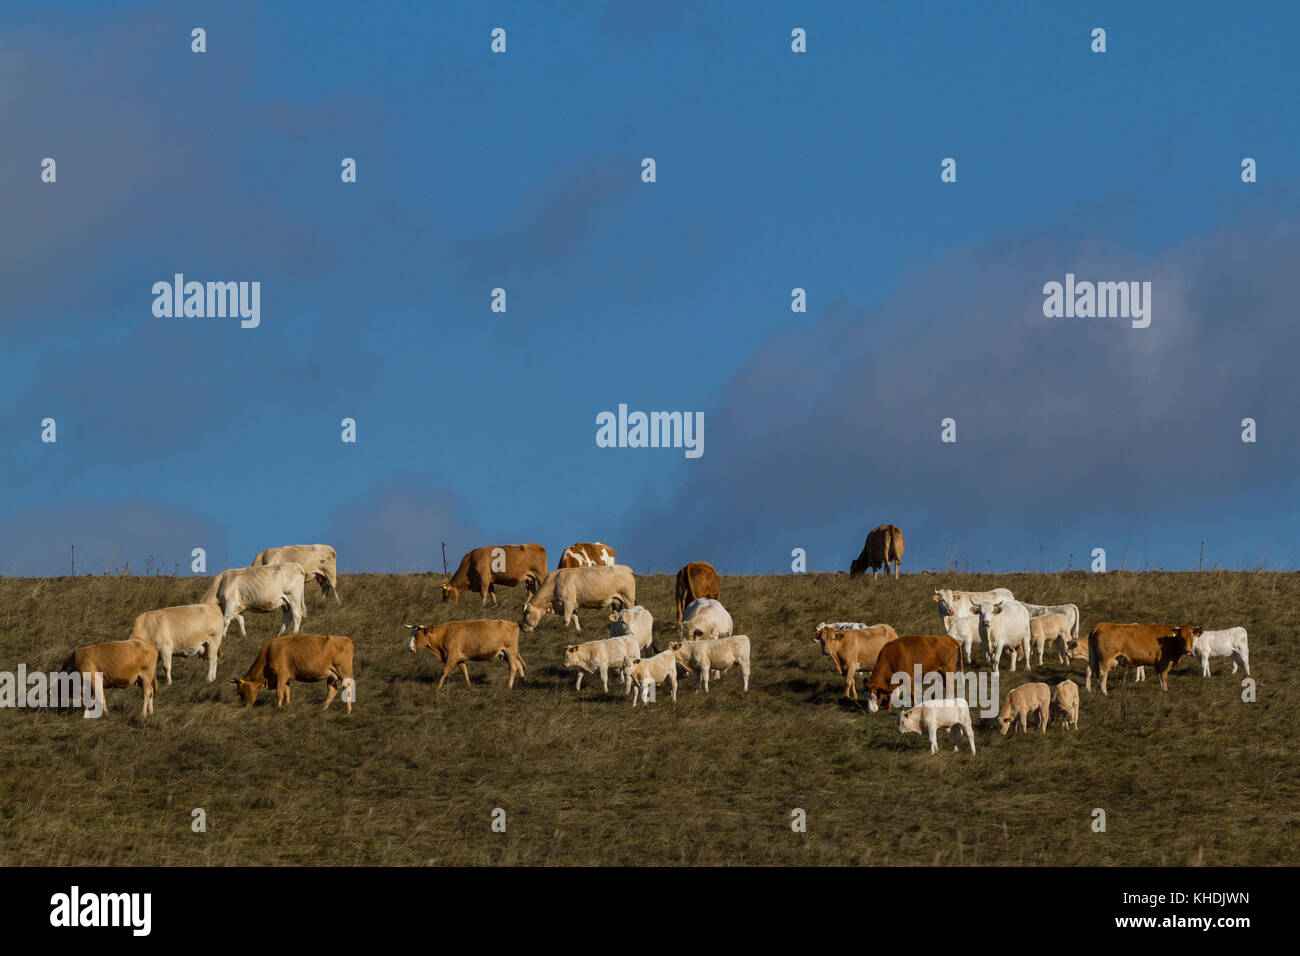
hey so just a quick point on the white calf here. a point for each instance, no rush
(933, 715)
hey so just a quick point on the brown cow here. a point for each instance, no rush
(507, 564)
(304, 657)
(854, 648)
(1153, 645)
(122, 664)
(884, 547)
(932, 653)
(456, 642)
(696, 580)
(585, 554)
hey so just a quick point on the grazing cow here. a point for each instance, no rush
(566, 590)
(883, 549)
(647, 672)
(302, 657)
(634, 621)
(266, 589)
(1160, 646)
(318, 561)
(121, 664)
(456, 642)
(1071, 611)
(852, 648)
(1226, 643)
(1050, 627)
(951, 603)
(931, 653)
(186, 630)
(587, 555)
(599, 657)
(704, 620)
(509, 565)
(1004, 624)
(694, 581)
(931, 716)
(1065, 703)
(1079, 651)
(839, 626)
(1021, 702)
(716, 655)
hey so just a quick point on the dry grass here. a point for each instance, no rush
(1191, 776)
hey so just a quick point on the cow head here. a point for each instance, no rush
(420, 637)
(533, 613)
(247, 689)
(450, 593)
(571, 655)
(909, 721)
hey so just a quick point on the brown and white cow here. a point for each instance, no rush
(318, 561)
(1160, 646)
(931, 653)
(883, 549)
(302, 657)
(121, 664)
(852, 648)
(456, 642)
(509, 565)
(587, 554)
(694, 581)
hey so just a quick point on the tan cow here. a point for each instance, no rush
(509, 565)
(302, 657)
(270, 588)
(120, 664)
(1080, 651)
(587, 555)
(1053, 628)
(600, 657)
(1021, 702)
(694, 581)
(1160, 646)
(883, 549)
(188, 630)
(717, 656)
(456, 642)
(318, 561)
(648, 672)
(566, 590)
(852, 648)
(1065, 703)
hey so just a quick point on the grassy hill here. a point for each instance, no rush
(413, 776)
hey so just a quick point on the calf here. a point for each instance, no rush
(1050, 627)
(648, 672)
(931, 716)
(1227, 643)
(1065, 703)
(121, 664)
(600, 657)
(636, 622)
(1155, 645)
(718, 655)
(302, 657)
(852, 648)
(1021, 702)
(456, 642)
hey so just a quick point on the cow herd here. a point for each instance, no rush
(994, 622)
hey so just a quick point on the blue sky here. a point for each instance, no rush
(522, 171)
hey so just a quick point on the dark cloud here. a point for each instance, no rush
(400, 528)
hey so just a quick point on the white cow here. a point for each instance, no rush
(600, 657)
(266, 589)
(965, 630)
(931, 716)
(634, 621)
(705, 619)
(186, 630)
(1003, 624)
(716, 655)
(1226, 643)
(318, 561)
(840, 626)
(649, 671)
(951, 602)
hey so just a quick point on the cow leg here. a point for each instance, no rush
(1245, 660)
(465, 670)
(672, 680)
(1205, 666)
(744, 672)
(167, 663)
(212, 661)
(934, 738)
(1103, 671)
(704, 680)
(581, 674)
(604, 676)
(146, 686)
(447, 667)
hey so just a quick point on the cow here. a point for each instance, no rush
(266, 589)
(186, 630)
(120, 664)
(1065, 703)
(1050, 627)
(1226, 643)
(566, 590)
(932, 653)
(952, 603)
(704, 620)
(965, 630)
(839, 626)
(318, 561)
(647, 672)
(1021, 702)
(587, 555)
(883, 549)
(851, 648)
(1079, 651)
(1160, 646)
(716, 655)
(599, 657)
(931, 716)
(1071, 611)
(694, 581)
(509, 565)
(1004, 624)
(456, 642)
(302, 657)
(635, 621)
